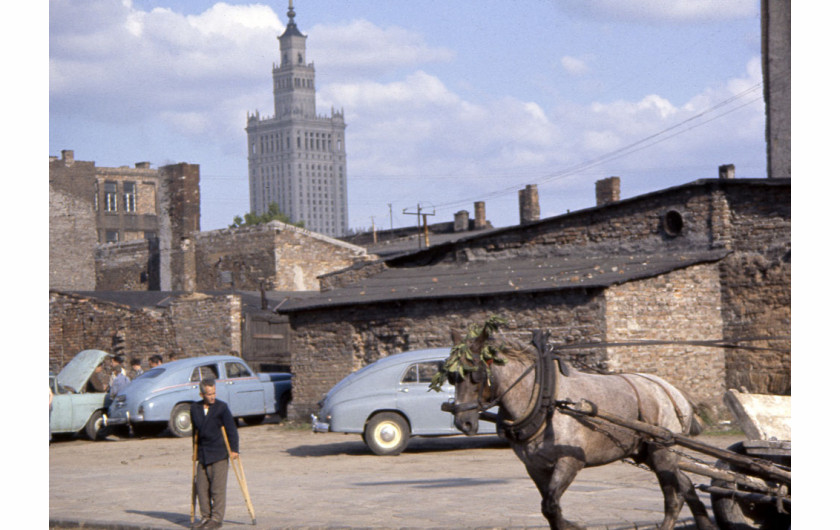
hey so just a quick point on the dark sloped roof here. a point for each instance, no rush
(448, 280)
(251, 300)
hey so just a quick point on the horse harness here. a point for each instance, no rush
(543, 395)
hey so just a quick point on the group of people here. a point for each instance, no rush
(111, 376)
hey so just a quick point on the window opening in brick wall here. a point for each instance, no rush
(130, 196)
(110, 196)
(673, 223)
(112, 236)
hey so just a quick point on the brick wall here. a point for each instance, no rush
(72, 242)
(73, 232)
(191, 326)
(328, 345)
(681, 305)
(124, 266)
(286, 257)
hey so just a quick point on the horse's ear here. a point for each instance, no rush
(456, 337)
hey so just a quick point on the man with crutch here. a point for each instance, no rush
(208, 417)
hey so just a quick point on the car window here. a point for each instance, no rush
(151, 374)
(427, 371)
(236, 369)
(410, 375)
(207, 371)
(421, 372)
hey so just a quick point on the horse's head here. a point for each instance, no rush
(468, 369)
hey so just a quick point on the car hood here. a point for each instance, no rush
(76, 373)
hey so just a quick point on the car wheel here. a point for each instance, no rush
(254, 420)
(95, 428)
(387, 433)
(180, 423)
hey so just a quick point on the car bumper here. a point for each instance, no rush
(319, 426)
(117, 418)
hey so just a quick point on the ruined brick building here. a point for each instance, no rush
(708, 260)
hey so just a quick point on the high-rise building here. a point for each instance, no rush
(297, 158)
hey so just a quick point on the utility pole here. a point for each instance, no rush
(373, 228)
(391, 215)
(424, 228)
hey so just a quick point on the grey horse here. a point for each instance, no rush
(554, 447)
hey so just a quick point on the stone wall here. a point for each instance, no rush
(328, 345)
(756, 292)
(683, 305)
(191, 326)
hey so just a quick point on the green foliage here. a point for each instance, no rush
(273, 214)
(462, 359)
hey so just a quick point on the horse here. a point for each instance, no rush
(487, 372)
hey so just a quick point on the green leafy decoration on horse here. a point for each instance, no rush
(455, 364)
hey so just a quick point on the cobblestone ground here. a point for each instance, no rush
(299, 479)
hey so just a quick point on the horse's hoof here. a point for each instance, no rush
(569, 525)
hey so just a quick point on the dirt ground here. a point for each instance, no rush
(299, 479)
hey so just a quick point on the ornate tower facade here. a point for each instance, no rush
(296, 158)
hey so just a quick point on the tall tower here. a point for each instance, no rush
(296, 158)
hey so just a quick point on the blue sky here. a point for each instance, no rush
(446, 102)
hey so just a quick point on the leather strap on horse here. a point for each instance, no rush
(543, 396)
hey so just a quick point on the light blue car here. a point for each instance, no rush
(389, 401)
(162, 396)
(74, 409)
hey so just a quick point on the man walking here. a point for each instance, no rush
(208, 417)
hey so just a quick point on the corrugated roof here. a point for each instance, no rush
(448, 280)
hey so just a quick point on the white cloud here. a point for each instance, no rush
(682, 11)
(361, 48)
(574, 66)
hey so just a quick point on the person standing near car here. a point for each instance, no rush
(208, 417)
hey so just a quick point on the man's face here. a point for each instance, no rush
(209, 395)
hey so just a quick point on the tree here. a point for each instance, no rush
(273, 214)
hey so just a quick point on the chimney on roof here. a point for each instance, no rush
(727, 171)
(462, 221)
(480, 216)
(607, 190)
(529, 204)
(67, 157)
(143, 165)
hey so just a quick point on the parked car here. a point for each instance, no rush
(389, 401)
(162, 396)
(74, 410)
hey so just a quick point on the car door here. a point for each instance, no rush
(422, 406)
(208, 370)
(246, 393)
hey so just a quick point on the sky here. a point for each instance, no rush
(446, 103)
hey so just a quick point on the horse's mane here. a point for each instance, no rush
(513, 348)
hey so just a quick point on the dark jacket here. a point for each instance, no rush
(211, 445)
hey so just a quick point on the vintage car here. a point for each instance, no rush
(162, 396)
(389, 401)
(74, 409)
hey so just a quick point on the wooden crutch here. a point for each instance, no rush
(194, 463)
(240, 477)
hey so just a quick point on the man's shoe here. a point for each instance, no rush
(200, 523)
(211, 525)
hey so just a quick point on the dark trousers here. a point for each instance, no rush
(211, 486)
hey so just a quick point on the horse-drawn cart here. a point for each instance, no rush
(751, 481)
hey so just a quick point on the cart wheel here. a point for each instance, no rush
(738, 514)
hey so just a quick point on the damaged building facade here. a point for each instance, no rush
(705, 261)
